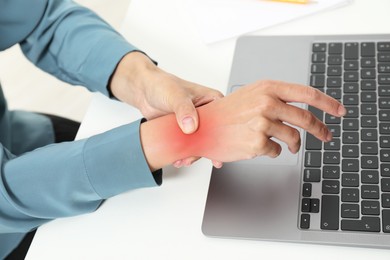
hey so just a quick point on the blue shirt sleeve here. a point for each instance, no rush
(75, 45)
(66, 179)
(70, 178)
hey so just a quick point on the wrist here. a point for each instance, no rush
(130, 75)
(164, 142)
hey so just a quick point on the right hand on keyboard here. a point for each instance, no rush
(246, 120)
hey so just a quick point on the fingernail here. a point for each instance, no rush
(342, 111)
(188, 124)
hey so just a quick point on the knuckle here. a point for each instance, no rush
(324, 130)
(267, 103)
(308, 119)
(312, 93)
(261, 125)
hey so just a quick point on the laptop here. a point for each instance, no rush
(329, 193)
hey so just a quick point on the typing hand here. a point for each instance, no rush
(240, 125)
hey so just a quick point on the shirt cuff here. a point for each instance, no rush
(115, 162)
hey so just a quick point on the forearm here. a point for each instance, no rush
(73, 179)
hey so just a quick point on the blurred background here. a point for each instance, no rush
(27, 87)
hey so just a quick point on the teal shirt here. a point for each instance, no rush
(41, 181)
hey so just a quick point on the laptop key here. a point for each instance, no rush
(350, 165)
(350, 195)
(370, 207)
(312, 143)
(351, 65)
(351, 76)
(370, 177)
(318, 57)
(331, 172)
(314, 205)
(333, 145)
(330, 212)
(384, 79)
(305, 221)
(385, 170)
(335, 60)
(368, 84)
(384, 67)
(351, 137)
(385, 185)
(368, 224)
(384, 128)
(351, 51)
(369, 121)
(369, 135)
(350, 180)
(384, 115)
(369, 162)
(313, 159)
(312, 175)
(306, 190)
(352, 112)
(386, 200)
(330, 187)
(368, 62)
(305, 207)
(350, 210)
(386, 220)
(368, 109)
(335, 48)
(383, 46)
(331, 157)
(367, 49)
(385, 155)
(350, 151)
(369, 147)
(383, 57)
(318, 68)
(384, 91)
(370, 192)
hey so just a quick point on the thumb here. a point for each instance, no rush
(187, 116)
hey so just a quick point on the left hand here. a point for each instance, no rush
(140, 83)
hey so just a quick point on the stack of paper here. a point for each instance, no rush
(222, 19)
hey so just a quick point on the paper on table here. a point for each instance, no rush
(223, 19)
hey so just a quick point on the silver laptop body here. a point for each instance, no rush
(261, 199)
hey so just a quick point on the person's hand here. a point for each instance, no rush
(240, 125)
(140, 83)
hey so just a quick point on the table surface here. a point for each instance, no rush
(165, 222)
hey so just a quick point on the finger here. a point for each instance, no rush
(178, 164)
(203, 95)
(186, 115)
(269, 148)
(190, 160)
(286, 134)
(217, 164)
(304, 94)
(305, 120)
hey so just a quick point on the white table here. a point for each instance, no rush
(164, 222)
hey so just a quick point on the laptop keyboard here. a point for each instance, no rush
(346, 182)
